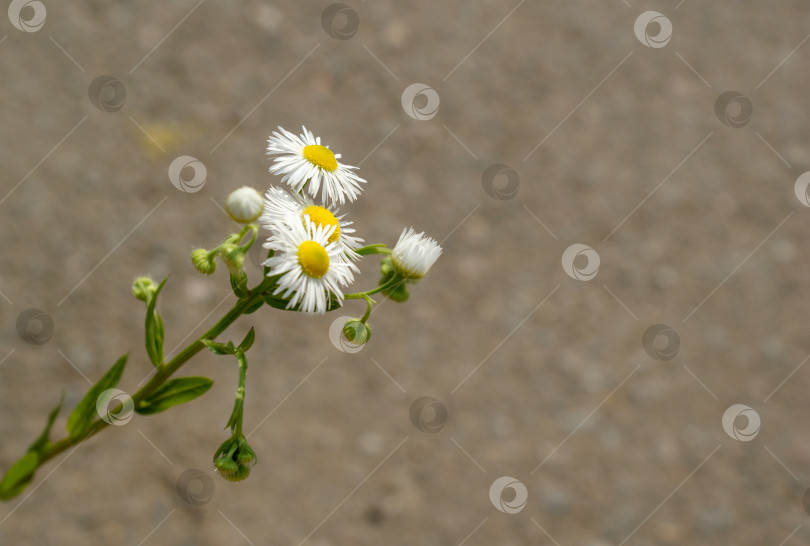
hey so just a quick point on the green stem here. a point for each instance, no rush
(379, 248)
(392, 283)
(239, 403)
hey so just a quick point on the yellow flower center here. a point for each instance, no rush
(321, 216)
(313, 259)
(320, 156)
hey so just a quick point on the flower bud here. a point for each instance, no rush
(244, 205)
(245, 455)
(234, 258)
(357, 332)
(143, 288)
(399, 293)
(386, 266)
(203, 261)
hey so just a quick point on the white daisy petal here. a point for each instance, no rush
(305, 164)
(310, 268)
(414, 254)
(283, 209)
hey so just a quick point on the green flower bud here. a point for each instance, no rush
(203, 261)
(245, 455)
(238, 475)
(226, 465)
(357, 332)
(386, 266)
(234, 458)
(143, 288)
(399, 294)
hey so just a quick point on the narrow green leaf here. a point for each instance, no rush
(247, 343)
(239, 284)
(40, 443)
(216, 348)
(174, 392)
(154, 328)
(19, 476)
(83, 414)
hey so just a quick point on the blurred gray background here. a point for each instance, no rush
(620, 142)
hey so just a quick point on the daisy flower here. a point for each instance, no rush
(283, 209)
(305, 163)
(310, 268)
(414, 254)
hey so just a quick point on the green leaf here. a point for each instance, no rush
(40, 443)
(83, 414)
(239, 284)
(19, 476)
(247, 343)
(217, 348)
(174, 392)
(154, 329)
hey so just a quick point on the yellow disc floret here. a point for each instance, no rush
(320, 156)
(321, 216)
(313, 259)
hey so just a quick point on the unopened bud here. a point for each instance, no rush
(244, 205)
(357, 332)
(143, 288)
(203, 261)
